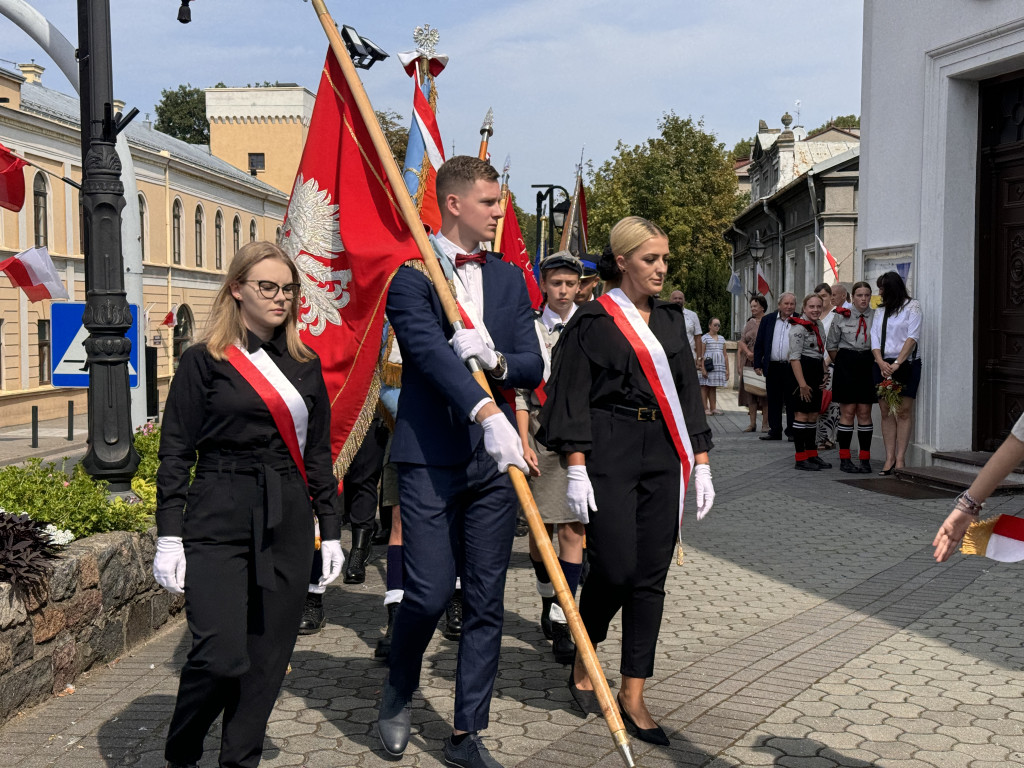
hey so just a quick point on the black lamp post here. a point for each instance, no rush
(111, 454)
(756, 250)
(557, 211)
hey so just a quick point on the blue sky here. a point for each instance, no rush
(562, 75)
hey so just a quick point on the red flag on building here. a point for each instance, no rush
(513, 250)
(762, 284)
(34, 273)
(830, 257)
(171, 318)
(12, 180)
(347, 238)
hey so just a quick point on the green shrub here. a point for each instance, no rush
(147, 443)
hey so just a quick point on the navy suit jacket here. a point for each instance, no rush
(763, 342)
(438, 391)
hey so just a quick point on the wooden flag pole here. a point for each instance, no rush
(407, 209)
(505, 197)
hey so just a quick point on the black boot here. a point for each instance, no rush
(865, 467)
(806, 465)
(355, 568)
(381, 535)
(819, 462)
(545, 615)
(313, 618)
(383, 649)
(562, 645)
(453, 617)
(846, 465)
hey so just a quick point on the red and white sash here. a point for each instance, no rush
(282, 399)
(654, 363)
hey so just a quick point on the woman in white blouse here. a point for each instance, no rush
(895, 333)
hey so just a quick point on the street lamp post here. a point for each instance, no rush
(548, 194)
(756, 250)
(111, 455)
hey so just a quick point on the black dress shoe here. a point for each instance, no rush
(821, 463)
(770, 436)
(394, 721)
(806, 466)
(381, 536)
(585, 700)
(653, 735)
(865, 467)
(313, 619)
(545, 616)
(453, 617)
(468, 753)
(355, 568)
(562, 646)
(383, 649)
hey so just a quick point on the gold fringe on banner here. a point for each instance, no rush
(432, 98)
(976, 539)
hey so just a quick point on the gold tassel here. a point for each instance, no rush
(392, 374)
(359, 428)
(679, 555)
(976, 539)
(432, 98)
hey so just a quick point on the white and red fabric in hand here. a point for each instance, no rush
(34, 273)
(12, 180)
(998, 538)
(171, 318)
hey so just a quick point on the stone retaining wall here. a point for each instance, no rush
(100, 601)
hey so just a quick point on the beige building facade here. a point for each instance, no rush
(195, 211)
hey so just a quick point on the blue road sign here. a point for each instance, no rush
(69, 335)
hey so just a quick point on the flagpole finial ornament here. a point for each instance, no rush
(426, 39)
(487, 129)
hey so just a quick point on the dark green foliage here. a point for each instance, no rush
(181, 113)
(396, 131)
(843, 121)
(25, 553)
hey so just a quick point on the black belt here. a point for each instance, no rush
(637, 414)
(265, 516)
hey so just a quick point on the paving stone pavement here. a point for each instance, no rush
(808, 627)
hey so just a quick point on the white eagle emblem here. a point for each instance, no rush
(311, 238)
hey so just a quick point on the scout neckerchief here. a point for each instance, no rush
(654, 363)
(862, 324)
(809, 324)
(284, 402)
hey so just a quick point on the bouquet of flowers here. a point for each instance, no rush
(891, 393)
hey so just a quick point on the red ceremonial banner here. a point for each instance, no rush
(344, 231)
(513, 250)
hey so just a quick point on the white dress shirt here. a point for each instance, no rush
(905, 324)
(780, 341)
(693, 331)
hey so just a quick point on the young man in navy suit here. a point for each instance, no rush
(453, 443)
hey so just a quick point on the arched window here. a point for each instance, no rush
(142, 225)
(176, 233)
(236, 234)
(199, 235)
(183, 332)
(218, 243)
(252, 231)
(39, 215)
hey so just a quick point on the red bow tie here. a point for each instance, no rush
(465, 258)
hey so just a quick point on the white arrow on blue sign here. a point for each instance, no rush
(69, 335)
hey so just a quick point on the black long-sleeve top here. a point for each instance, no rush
(210, 408)
(593, 366)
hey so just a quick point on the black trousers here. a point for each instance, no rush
(780, 383)
(245, 578)
(455, 520)
(635, 472)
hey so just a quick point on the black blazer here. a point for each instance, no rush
(764, 340)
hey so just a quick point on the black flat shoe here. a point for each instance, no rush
(586, 701)
(653, 735)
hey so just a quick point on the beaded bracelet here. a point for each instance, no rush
(968, 504)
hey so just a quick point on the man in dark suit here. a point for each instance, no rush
(771, 358)
(452, 446)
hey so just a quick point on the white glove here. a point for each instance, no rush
(705, 490)
(502, 443)
(169, 564)
(469, 343)
(580, 493)
(334, 561)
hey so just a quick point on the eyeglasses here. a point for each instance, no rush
(268, 288)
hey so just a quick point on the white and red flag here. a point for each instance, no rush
(829, 257)
(12, 180)
(347, 238)
(34, 273)
(171, 318)
(998, 538)
(762, 283)
(424, 153)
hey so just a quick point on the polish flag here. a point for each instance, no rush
(34, 273)
(12, 180)
(762, 283)
(830, 257)
(998, 538)
(171, 318)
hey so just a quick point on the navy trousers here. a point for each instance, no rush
(461, 520)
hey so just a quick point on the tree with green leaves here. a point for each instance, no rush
(181, 113)
(683, 181)
(843, 121)
(396, 131)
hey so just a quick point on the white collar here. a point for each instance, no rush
(551, 318)
(450, 249)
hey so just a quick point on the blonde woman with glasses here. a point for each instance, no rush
(248, 409)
